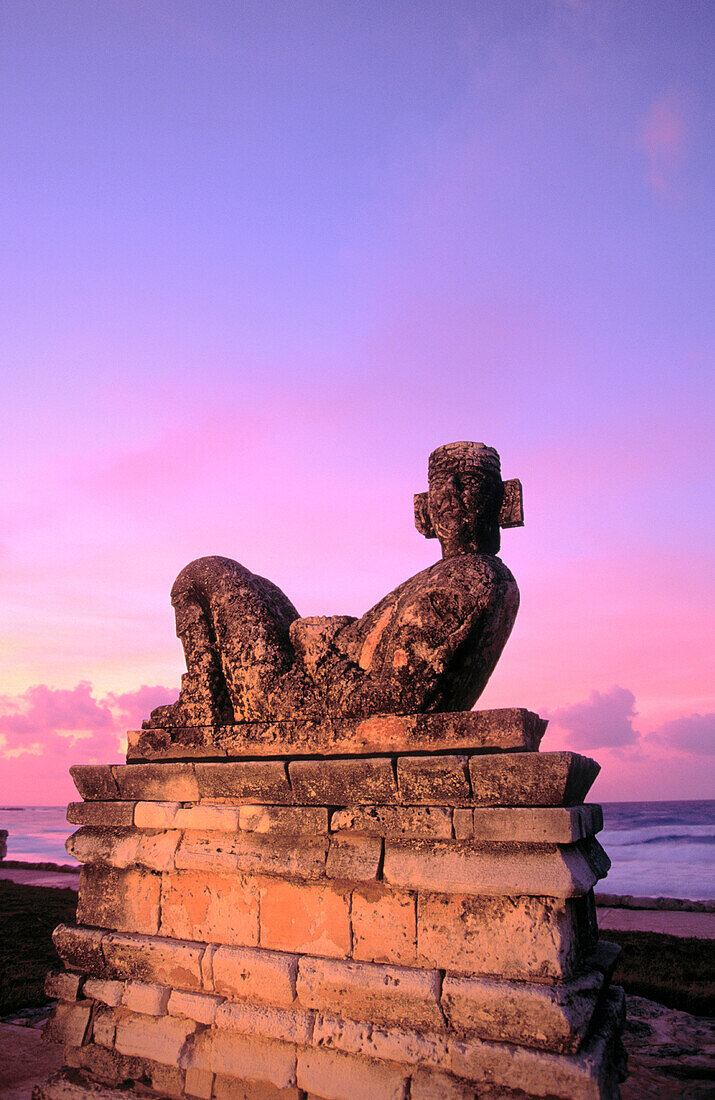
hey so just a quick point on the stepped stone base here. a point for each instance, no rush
(405, 924)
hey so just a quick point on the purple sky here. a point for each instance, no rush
(260, 258)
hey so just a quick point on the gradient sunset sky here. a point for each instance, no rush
(260, 258)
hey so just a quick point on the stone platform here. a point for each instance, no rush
(408, 923)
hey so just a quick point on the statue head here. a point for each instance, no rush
(465, 504)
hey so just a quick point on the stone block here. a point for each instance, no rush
(391, 995)
(124, 900)
(289, 1025)
(194, 1006)
(229, 1088)
(339, 782)
(116, 847)
(107, 1067)
(463, 823)
(222, 819)
(104, 1026)
(63, 985)
(305, 916)
(327, 1073)
(253, 974)
(524, 938)
(68, 1023)
(291, 820)
(168, 782)
(354, 857)
(80, 948)
(394, 821)
(531, 778)
(149, 998)
(209, 907)
(244, 780)
(384, 926)
(235, 1055)
(168, 1081)
(173, 962)
(199, 1083)
(160, 1038)
(95, 781)
(302, 856)
(463, 867)
(433, 779)
(533, 1014)
(427, 1085)
(101, 813)
(389, 1045)
(535, 825)
(156, 815)
(104, 990)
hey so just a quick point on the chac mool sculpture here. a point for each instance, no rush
(428, 646)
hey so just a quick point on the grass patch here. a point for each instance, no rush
(28, 915)
(672, 970)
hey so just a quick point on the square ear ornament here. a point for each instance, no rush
(510, 515)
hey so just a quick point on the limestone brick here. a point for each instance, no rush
(353, 857)
(389, 1045)
(463, 823)
(194, 1006)
(384, 925)
(149, 998)
(106, 991)
(444, 866)
(199, 1083)
(235, 1055)
(244, 780)
(303, 856)
(160, 1038)
(291, 820)
(253, 974)
(124, 900)
(427, 1085)
(156, 815)
(379, 994)
(327, 1073)
(433, 779)
(95, 781)
(289, 1025)
(68, 1023)
(80, 948)
(104, 1026)
(172, 962)
(101, 813)
(535, 825)
(63, 985)
(339, 782)
(524, 938)
(394, 821)
(305, 916)
(213, 908)
(230, 1088)
(168, 1081)
(531, 778)
(167, 782)
(223, 819)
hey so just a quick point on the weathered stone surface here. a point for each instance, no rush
(363, 991)
(427, 1085)
(533, 825)
(80, 948)
(382, 1044)
(531, 778)
(68, 1023)
(462, 867)
(253, 974)
(244, 780)
(156, 815)
(157, 782)
(384, 925)
(95, 781)
(230, 1088)
(289, 1025)
(433, 779)
(430, 645)
(236, 1055)
(290, 820)
(218, 908)
(63, 985)
(272, 854)
(199, 1083)
(533, 1014)
(305, 917)
(101, 813)
(478, 731)
(172, 962)
(124, 900)
(324, 1073)
(104, 1026)
(160, 1038)
(532, 939)
(394, 821)
(336, 782)
(146, 997)
(125, 848)
(106, 991)
(356, 858)
(194, 1006)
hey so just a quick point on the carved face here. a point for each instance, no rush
(463, 507)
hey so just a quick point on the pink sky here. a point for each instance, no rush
(262, 259)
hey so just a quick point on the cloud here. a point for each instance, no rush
(662, 138)
(690, 734)
(602, 721)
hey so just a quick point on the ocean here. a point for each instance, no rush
(657, 849)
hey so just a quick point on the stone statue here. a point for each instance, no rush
(428, 646)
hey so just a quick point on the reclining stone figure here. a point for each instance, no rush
(428, 646)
